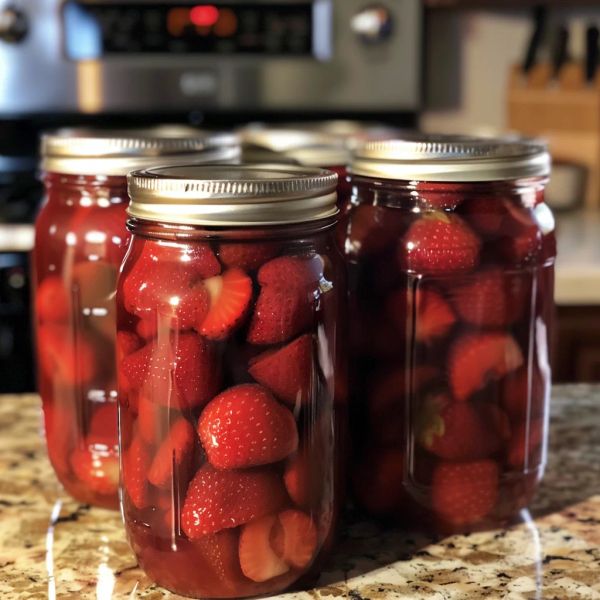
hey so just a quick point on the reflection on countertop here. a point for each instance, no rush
(52, 547)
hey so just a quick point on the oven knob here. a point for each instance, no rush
(373, 23)
(13, 24)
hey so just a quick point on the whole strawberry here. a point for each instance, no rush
(438, 242)
(465, 492)
(217, 500)
(245, 426)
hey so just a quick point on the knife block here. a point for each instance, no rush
(565, 111)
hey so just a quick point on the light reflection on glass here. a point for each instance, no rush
(50, 550)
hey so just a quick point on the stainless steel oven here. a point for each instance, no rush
(143, 56)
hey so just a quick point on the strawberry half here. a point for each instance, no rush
(286, 301)
(258, 559)
(247, 255)
(477, 358)
(461, 430)
(464, 493)
(438, 242)
(440, 196)
(219, 500)
(136, 462)
(295, 538)
(484, 213)
(230, 296)
(287, 372)
(522, 399)
(179, 370)
(433, 316)
(174, 450)
(245, 426)
(52, 301)
(151, 420)
(491, 298)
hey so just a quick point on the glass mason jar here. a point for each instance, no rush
(301, 146)
(231, 408)
(81, 239)
(450, 249)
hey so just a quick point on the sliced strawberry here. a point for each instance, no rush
(247, 255)
(136, 462)
(491, 298)
(525, 448)
(461, 430)
(477, 358)
(179, 370)
(286, 302)
(378, 481)
(433, 316)
(176, 448)
(464, 493)
(104, 424)
(162, 282)
(66, 355)
(230, 296)
(438, 242)
(258, 559)
(295, 538)
(52, 302)
(219, 500)
(245, 426)
(97, 466)
(299, 479)
(287, 371)
(522, 399)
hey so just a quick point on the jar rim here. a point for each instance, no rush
(232, 195)
(83, 151)
(452, 158)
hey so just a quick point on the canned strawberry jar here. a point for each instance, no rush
(81, 239)
(451, 250)
(229, 423)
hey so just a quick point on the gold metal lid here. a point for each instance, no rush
(116, 152)
(308, 148)
(452, 158)
(244, 195)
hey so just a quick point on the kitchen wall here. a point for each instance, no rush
(469, 54)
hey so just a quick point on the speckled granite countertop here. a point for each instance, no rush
(52, 547)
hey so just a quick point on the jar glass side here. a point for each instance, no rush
(81, 239)
(230, 410)
(452, 307)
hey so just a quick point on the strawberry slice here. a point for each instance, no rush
(52, 301)
(464, 493)
(286, 302)
(287, 372)
(178, 371)
(163, 279)
(258, 559)
(491, 298)
(299, 479)
(97, 466)
(295, 538)
(460, 430)
(433, 316)
(136, 462)
(245, 426)
(174, 450)
(476, 358)
(247, 255)
(219, 500)
(230, 296)
(438, 242)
